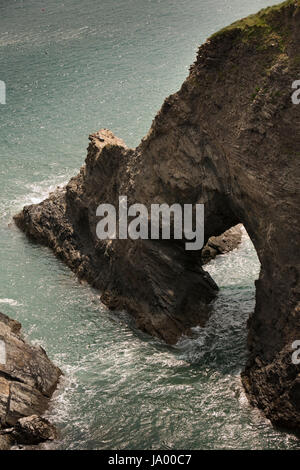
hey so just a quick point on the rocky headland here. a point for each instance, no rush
(27, 381)
(229, 139)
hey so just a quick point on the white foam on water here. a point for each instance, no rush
(36, 193)
(11, 302)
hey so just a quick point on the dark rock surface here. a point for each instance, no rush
(27, 380)
(33, 430)
(222, 244)
(230, 139)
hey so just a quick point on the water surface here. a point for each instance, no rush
(72, 67)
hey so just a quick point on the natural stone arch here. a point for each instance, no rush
(229, 139)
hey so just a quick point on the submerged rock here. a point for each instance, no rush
(230, 139)
(27, 380)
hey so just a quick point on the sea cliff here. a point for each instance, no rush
(229, 139)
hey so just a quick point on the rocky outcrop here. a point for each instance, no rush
(27, 381)
(33, 430)
(222, 244)
(229, 139)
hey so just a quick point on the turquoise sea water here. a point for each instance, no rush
(72, 67)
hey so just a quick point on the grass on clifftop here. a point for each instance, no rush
(262, 24)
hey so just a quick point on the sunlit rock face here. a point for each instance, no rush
(229, 139)
(27, 381)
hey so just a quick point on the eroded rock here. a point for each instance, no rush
(230, 139)
(33, 430)
(27, 379)
(222, 244)
(5, 442)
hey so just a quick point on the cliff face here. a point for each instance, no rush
(230, 138)
(27, 381)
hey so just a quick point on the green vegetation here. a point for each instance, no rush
(266, 27)
(254, 95)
